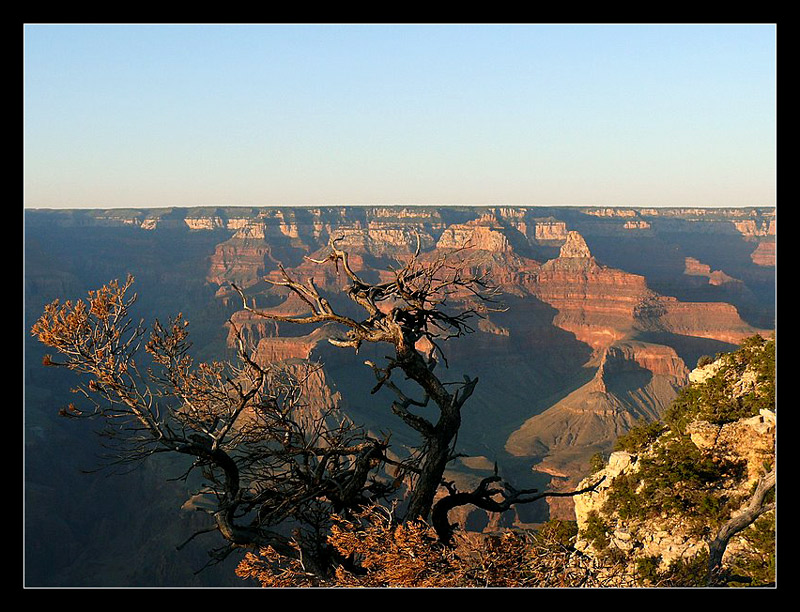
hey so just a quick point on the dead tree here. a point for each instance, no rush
(410, 307)
(265, 460)
(414, 305)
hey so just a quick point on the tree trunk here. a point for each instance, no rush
(438, 439)
(430, 478)
(756, 506)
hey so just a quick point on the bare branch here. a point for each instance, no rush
(485, 496)
(264, 456)
(411, 307)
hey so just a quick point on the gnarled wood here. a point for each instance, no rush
(755, 507)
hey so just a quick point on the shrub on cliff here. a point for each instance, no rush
(704, 361)
(743, 384)
(677, 478)
(640, 436)
(699, 487)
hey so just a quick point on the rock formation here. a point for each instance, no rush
(612, 520)
(634, 381)
(764, 254)
(602, 320)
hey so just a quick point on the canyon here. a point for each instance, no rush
(606, 311)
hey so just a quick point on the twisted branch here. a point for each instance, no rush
(484, 496)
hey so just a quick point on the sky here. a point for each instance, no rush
(155, 115)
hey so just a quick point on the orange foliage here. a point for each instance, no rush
(390, 554)
(272, 569)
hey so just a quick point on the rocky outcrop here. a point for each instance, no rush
(547, 230)
(612, 522)
(750, 440)
(602, 305)
(634, 381)
(594, 302)
(242, 262)
(624, 213)
(713, 320)
(670, 538)
(752, 228)
(715, 277)
(380, 240)
(764, 255)
(483, 234)
(633, 356)
(574, 247)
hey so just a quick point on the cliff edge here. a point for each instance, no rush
(672, 489)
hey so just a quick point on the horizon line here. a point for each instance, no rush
(397, 205)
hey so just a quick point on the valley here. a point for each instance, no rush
(606, 310)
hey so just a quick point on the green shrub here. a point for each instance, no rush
(714, 400)
(688, 572)
(704, 361)
(596, 531)
(674, 477)
(647, 569)
(757, 561)
(597, 462)
(640, 436)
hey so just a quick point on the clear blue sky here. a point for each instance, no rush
(224, 115)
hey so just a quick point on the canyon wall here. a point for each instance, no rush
(607, 311)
